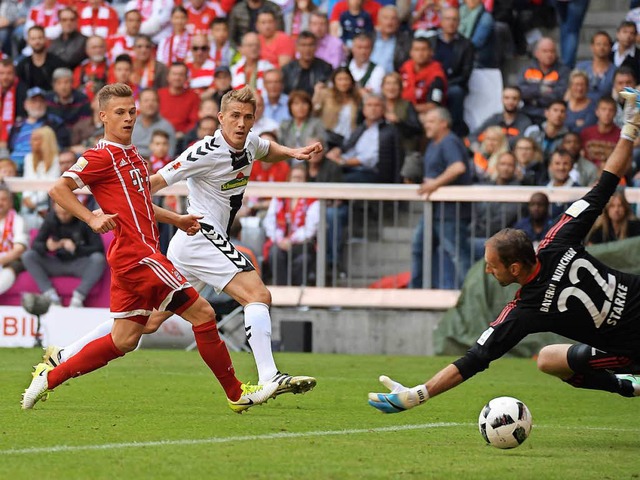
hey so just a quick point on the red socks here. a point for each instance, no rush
(94, 355)
(215, 354)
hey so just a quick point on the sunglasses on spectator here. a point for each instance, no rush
(202, 48)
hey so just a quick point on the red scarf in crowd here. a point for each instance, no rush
(8, 111)
(287, 220)
(7, 233)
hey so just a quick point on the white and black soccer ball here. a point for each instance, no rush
(505, 422)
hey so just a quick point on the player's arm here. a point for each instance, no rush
(188, 223)
(62, 194)
(279, 152)
(619, 161)
(157, 183)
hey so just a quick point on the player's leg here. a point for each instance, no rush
(53, 355)
(582, 366)
(123, 338)
(214, 351)
(248, 289)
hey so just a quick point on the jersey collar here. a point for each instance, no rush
(534, 274)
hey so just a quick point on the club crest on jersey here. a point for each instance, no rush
(79, 165)
(240, 181)
(240, 160)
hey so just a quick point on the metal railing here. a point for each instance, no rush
(380, 226)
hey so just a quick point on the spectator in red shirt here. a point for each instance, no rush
(599, 140)
(179, 105)
(276, 47)
(423, 80)
(200, 14)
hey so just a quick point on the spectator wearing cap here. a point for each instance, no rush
(70, 46)
(307, 70)
(275, 100)
(221, 83)
(201, 66)
(328, 47)
(119, 44)
(150, 120)
(72, 106)
(35, 105)
(36, 70)
(12, 95)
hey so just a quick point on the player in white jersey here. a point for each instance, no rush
(217, 170)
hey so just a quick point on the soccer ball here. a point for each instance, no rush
(505, 422)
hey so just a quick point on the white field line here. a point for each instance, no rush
(272, 436)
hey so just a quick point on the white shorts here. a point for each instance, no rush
(207, 258)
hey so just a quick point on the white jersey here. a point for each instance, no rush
(216, 175)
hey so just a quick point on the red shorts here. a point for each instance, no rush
(152, 284)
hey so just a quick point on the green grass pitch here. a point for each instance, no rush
(161, 414)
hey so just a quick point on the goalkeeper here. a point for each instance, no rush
(563, 290)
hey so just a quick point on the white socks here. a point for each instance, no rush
(7, 279)
(257, 322)
(98, 332)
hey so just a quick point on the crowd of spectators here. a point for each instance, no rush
(381, 83)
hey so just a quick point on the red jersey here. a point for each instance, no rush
(199, 20)
(119, 180)
(428, 84)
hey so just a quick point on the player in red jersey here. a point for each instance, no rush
(142, 279)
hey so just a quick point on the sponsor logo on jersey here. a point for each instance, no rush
(79, 165)
(123, 163)
(239, 181)
(577, 208)
(485, 335)
(175, 166)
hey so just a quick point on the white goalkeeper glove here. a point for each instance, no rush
(400, 398)
(631, 113)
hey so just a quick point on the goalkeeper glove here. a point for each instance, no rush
(631, 113)
(399, 399)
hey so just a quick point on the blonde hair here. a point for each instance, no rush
(243, 95)
(118, 90)
(503, 146)
(49, 151)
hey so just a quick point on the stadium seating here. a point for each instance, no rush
(97, 298)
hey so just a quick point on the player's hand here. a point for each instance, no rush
(631, 112)
(189, 224)
(399, 399)
(305, 153)
(103, 222)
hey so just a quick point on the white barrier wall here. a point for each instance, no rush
(62, 326)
